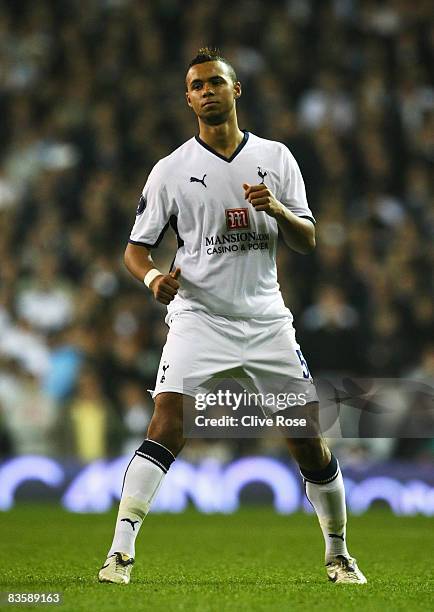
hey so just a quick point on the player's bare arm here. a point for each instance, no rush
(298, 233)
(138, 262)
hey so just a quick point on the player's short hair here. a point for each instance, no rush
(212, 54)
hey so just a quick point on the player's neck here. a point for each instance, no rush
(223, 138)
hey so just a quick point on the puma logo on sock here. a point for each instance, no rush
(132, 523)
(335, 535)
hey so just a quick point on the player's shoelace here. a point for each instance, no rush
(121, 565)
(347, 564)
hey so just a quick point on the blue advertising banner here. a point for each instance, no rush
(212, 486)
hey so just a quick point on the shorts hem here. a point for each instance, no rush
(188, 392)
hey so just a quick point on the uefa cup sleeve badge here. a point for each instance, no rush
(237, 218)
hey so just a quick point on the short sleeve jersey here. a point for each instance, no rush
(226, 249)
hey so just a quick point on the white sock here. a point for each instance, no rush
(142, 481)
(328, 500)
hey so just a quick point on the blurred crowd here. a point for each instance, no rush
(91, 99)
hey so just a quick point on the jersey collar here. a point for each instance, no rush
(234, 154)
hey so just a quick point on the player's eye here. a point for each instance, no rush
(196, 85)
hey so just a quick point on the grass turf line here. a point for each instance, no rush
(254, 560)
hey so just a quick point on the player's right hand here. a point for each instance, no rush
(166, 286)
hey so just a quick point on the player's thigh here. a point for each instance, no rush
(166, 426)
(168, 413)
(300, 423)
(169, 407)
(305, 444)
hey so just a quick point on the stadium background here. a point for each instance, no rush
(91, 99)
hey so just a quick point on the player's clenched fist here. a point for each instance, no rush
(261, 198)
(166, 286)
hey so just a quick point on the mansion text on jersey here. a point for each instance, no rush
(243, 242)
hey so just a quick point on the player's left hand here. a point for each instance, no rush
(261, 198)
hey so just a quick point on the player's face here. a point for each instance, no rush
(211, 93)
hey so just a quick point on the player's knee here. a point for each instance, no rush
(166, 426)
(303, 444)
(307, 446)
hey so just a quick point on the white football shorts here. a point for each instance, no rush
(263, 355)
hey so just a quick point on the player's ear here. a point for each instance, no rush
(187, 97)
(237, 90)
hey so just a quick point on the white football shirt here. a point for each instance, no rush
(226, 249)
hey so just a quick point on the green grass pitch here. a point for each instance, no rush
(251, 560)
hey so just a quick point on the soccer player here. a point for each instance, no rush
(227, 194)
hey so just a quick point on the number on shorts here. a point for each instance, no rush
(305, 369)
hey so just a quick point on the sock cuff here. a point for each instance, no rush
(157, 454)
(324, 476)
